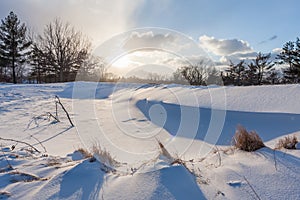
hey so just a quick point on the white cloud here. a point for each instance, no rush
(276, 51)
(247, 56)
(224, 47)
(139, 40)
(238, 57)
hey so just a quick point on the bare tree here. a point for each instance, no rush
(198, 74)
(178, 78)
(61, 50)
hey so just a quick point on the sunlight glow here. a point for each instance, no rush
(122, 62)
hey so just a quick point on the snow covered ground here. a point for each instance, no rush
(195, 124)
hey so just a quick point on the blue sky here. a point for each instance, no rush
(228, 29)
(254, 21)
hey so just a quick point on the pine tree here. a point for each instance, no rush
(13, 43)
(236, 73)
(290, 55)
(259, 68)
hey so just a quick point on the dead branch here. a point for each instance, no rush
(62, 106)
(8, 163)
(275, 162)
(18, 141)
(252, 188)
(45, 150)
(50, 115)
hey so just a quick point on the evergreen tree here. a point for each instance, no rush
(259, 68)
(235, 73)
(290, 55)
(13, 44)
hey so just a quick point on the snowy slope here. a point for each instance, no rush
(127, 120)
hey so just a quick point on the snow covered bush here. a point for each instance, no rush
(247, 141)
(288, 142)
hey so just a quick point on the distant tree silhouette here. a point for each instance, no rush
(258, 71)
(60, 51)
(290, 55)
(93, 69)
(274, 77)
(259, 68)
(178, 78)
(202, 73)
(14, 46)
(235, 73)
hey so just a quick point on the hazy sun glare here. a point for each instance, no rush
(122, 62)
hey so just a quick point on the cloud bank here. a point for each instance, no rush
(148, 39)
(224, 47)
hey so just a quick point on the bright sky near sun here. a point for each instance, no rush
(230, 29)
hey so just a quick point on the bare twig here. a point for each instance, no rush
(35, 119)
(252, 188)
(62, 106)
(219, 157)
(8, 163)
(275, 162)
(45, 150)
(13, 140)
(50, 115)
(56, 113)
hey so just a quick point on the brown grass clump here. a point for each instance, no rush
(288, 142)
(24, 177)
(84, 153)
(53, 161)
(247, 141)
(103, 156)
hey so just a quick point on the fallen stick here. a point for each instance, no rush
(12, 140)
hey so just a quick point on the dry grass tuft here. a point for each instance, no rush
(24, 177)
(103, 156)
(165, 152)
(288, 142)
(53, 161)
(247, 141)
(84, 153)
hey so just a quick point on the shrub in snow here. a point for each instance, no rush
(288, 142)
(247, 141)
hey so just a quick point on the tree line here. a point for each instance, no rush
(259, 71)
(61, 53)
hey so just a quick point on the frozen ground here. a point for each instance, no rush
(195, 124)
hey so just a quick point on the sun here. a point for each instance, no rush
(122, 62)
